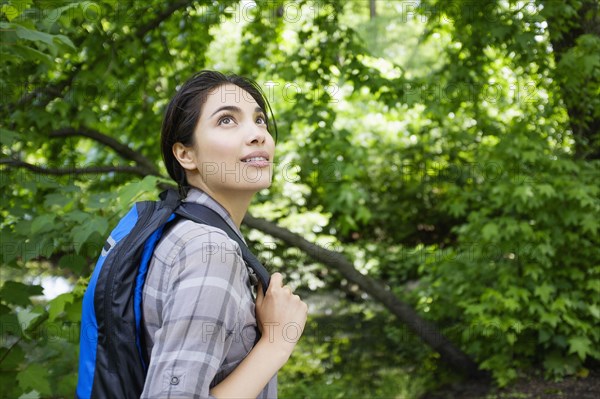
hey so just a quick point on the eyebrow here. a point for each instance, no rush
(235, 109)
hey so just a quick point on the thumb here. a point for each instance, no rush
(260, 295)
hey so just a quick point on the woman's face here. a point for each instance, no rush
(233, 151)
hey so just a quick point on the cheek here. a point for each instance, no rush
(271, 142)
(217, 149)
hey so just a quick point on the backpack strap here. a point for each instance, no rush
(202, 214)
(169, 199)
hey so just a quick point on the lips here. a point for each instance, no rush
(256, 158)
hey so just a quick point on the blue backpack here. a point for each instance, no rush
(112, 358)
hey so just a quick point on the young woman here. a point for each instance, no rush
(206, 333)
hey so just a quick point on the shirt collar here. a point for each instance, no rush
(200, 197)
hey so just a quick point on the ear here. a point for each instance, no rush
(185, 156)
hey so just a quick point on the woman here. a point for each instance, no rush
(206, 334)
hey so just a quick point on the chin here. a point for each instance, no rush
(256, 178)
(254, 186)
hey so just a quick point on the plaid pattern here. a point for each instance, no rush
(198, 309)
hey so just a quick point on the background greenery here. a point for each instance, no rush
(449, 150)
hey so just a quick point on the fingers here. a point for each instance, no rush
(276, 280)
(279, 306)
(276, 288)
(277, 283)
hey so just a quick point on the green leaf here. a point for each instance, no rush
(490, 231)
(10, 389)
(10, 328)
(4, 310)
(73, 310)
(595, 311)
(33, 35)
(511, 338)
(544, 292)
(8, 137)
(132, 192)
(524, 193)
(73, 262)
(35, 377)
(82, 233)
(43, 224)
(544, 335)
(77, 217)
(511, 304)
(10, 11)
(457, 208)
(16, 293)
(57, 199)
(62, 39)
(550, 319)
(57, 305)
(12, 358)
(546, 190)
(558, 363)
(30, 395)
(27, 318)
(579, 345)
(590, 223)
(593, 285)
(27, 53)
(56, 13)
(66, 385)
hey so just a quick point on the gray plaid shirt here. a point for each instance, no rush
(198, 309)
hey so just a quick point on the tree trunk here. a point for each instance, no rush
(429, 333)
(372, 9)
(583, 119)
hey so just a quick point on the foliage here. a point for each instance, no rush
(530, 238)
(347, 355)
(459, 165)
(532, 246)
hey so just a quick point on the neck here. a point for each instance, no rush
(236, 202)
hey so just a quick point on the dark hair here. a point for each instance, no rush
(184, 111)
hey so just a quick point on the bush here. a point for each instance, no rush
(531, 242)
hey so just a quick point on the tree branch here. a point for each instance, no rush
(44, 94)
(38, 322)
(93, 170)
(424, 329)
(108, 141)
(583, 118)
(142, 30)
(55, 90)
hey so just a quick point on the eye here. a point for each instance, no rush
(226, 120)
(261, 120)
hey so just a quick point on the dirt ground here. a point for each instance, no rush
(530, 388)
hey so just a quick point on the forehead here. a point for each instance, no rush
(229, 95)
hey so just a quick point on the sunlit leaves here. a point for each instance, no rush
(432, 143)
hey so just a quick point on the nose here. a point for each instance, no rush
(257, 135)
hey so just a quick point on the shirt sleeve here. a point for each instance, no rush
(200, 314)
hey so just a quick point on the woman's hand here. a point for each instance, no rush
(280, 315)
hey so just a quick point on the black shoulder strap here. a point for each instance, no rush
(203, 214)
